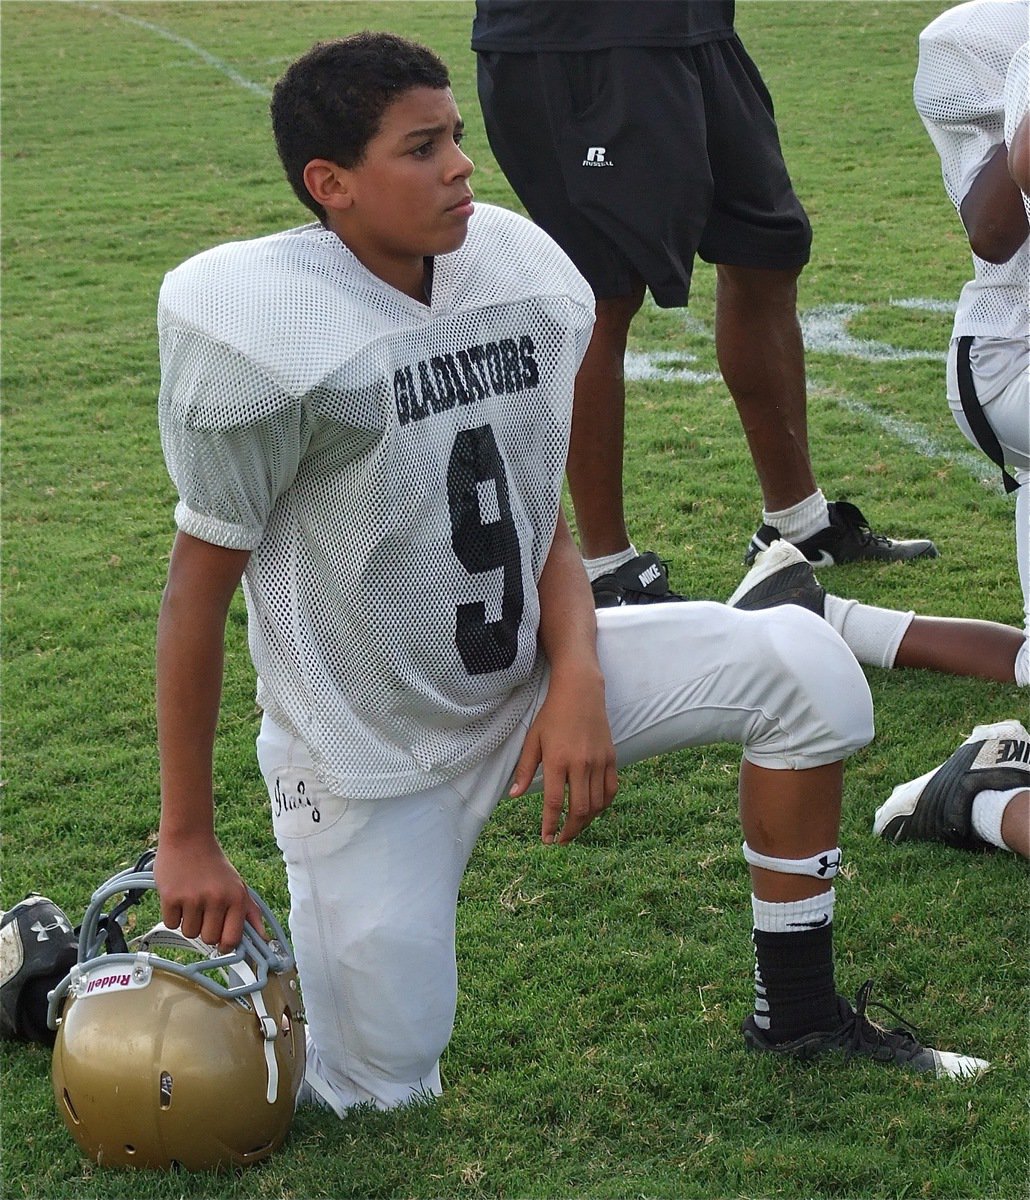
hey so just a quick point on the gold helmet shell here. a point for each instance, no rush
(169, 1054)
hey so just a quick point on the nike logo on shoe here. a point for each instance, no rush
(824, 560)
(1010, 750)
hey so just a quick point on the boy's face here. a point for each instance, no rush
(409, 198)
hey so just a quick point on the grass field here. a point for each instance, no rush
(596, 1051)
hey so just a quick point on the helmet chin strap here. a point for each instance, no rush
(268, 1027)
(161, 935)
(110, 924)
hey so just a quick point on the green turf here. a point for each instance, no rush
(596, 1051)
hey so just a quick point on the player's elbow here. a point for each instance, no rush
(996, 244)
(995, 231)
(992, 211)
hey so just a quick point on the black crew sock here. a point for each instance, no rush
(795, 992)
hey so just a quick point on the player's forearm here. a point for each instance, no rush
(568, 626)
(201, 893)
(189, 687)
(190, 652)
(992, 211)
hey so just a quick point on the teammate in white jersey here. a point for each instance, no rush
(367, 421)
(959, 92)
(971, 91)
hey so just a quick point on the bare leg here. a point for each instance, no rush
(762, 358)
(789, 814)
(983, 649)
(1015, 824)
(596, 445)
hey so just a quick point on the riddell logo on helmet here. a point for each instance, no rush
(108, 981)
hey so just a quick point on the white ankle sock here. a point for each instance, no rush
(873, 634)
(800, 520)
(988, 810)
(794, 916)
(596, 567)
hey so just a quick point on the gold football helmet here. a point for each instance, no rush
(169, 1053)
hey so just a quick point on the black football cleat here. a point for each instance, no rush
(642, 580)
(858, 1037)
(779, 575)
(846, 539)
(938, 806)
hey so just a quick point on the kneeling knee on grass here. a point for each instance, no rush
(814, 705)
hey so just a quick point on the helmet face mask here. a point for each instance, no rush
(169, 1054)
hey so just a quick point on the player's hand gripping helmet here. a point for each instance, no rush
(168, 1053)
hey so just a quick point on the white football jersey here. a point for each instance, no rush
(395, 470)
(959, 92)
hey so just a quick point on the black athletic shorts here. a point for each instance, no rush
(635, 159)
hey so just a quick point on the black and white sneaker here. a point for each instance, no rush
(37, 949)
(858, 1037)
(642, 580)
(938, 806)
(779, 575)
(847, 538)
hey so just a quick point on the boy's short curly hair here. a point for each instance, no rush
(330, 101)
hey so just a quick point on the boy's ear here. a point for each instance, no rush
(329, 184)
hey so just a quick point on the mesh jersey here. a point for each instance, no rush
(959, 92)
(534, 26)
(396, 471)
(1017, 99)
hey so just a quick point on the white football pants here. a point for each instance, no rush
(1000, 375)
(374, 883)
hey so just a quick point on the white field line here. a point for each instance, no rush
(917, 438)
(206, 56)
(825, 329)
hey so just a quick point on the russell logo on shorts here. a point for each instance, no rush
(597, 156)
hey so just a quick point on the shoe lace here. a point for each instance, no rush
(853, 517)
(858, 1027)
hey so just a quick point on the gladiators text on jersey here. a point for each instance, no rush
(438, 383)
